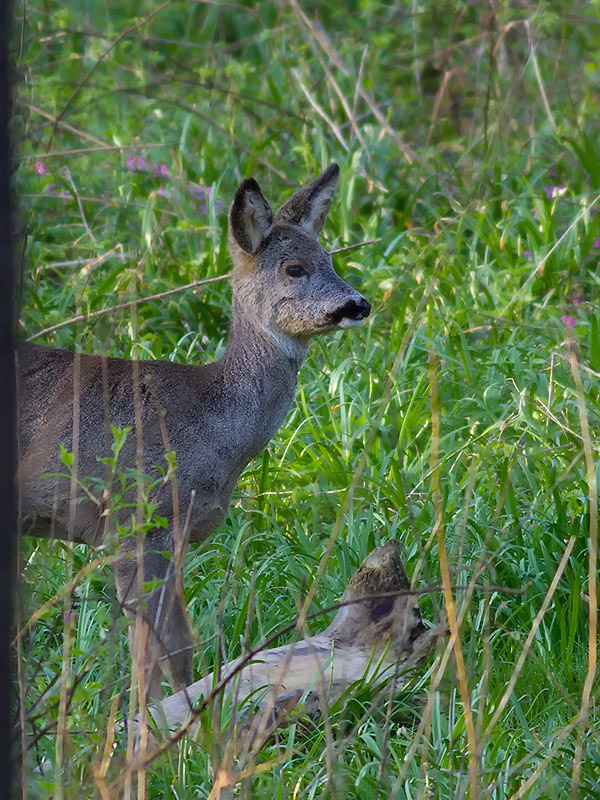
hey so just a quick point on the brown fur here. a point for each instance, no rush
(215, 417)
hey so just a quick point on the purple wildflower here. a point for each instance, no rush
(160, 170)
(535, 214)
(68, 616)
(570, 322)
(576, 297)
(140, 164)
(204, 193)
(596, 243)
(54, 191)
(41, 168)
(554, 190)
(527, 254)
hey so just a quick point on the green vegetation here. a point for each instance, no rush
(468, 139)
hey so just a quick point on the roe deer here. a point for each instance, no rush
(215, 417)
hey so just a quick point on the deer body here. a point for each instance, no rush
(216, 418)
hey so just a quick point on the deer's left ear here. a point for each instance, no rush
(309, 207)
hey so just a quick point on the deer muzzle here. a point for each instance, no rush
(352, 312)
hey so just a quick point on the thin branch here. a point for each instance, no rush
(321, 111)
(224, 132)
(318, 37)
(59, 123)
(354, 246)
(85, 150)
(138, 301)
(128, 304)
(99, 60)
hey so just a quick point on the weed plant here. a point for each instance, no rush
(461, 419)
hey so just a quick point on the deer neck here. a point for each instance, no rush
(252, 343)
(260, 373)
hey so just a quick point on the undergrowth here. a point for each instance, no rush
(467, 134)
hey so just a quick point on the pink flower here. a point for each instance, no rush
(41, 168)
(54, 191)
(160, 170)
(204, 193)
(570, 322)
(554, 191)
(136, 164)
(527, 254)
(596, 243)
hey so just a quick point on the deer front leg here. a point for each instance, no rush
(161, 640)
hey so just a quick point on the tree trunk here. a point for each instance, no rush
(377, 634)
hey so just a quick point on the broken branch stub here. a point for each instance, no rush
(377, 633)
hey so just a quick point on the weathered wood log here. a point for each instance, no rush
(377, 633)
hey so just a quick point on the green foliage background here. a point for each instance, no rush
(468, 138)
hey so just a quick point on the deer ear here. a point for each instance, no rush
(250, 216)
(309, 207)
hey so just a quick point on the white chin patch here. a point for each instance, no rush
(346, 323)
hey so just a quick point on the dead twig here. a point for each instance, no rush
(101, 57)
(60, 124)
(139, 300)
(129, 304)
(318, 37)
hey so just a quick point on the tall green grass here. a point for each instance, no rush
(471, 154)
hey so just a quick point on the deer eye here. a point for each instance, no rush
(295, 271)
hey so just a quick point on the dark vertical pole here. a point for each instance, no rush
(8, 505)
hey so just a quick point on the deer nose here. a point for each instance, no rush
(356, 309)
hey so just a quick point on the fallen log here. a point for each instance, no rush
(377, 634)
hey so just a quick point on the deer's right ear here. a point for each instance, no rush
(309, 207)
(250, 217)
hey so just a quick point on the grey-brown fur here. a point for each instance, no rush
(215, 417)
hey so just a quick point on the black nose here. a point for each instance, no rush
(355, 309)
